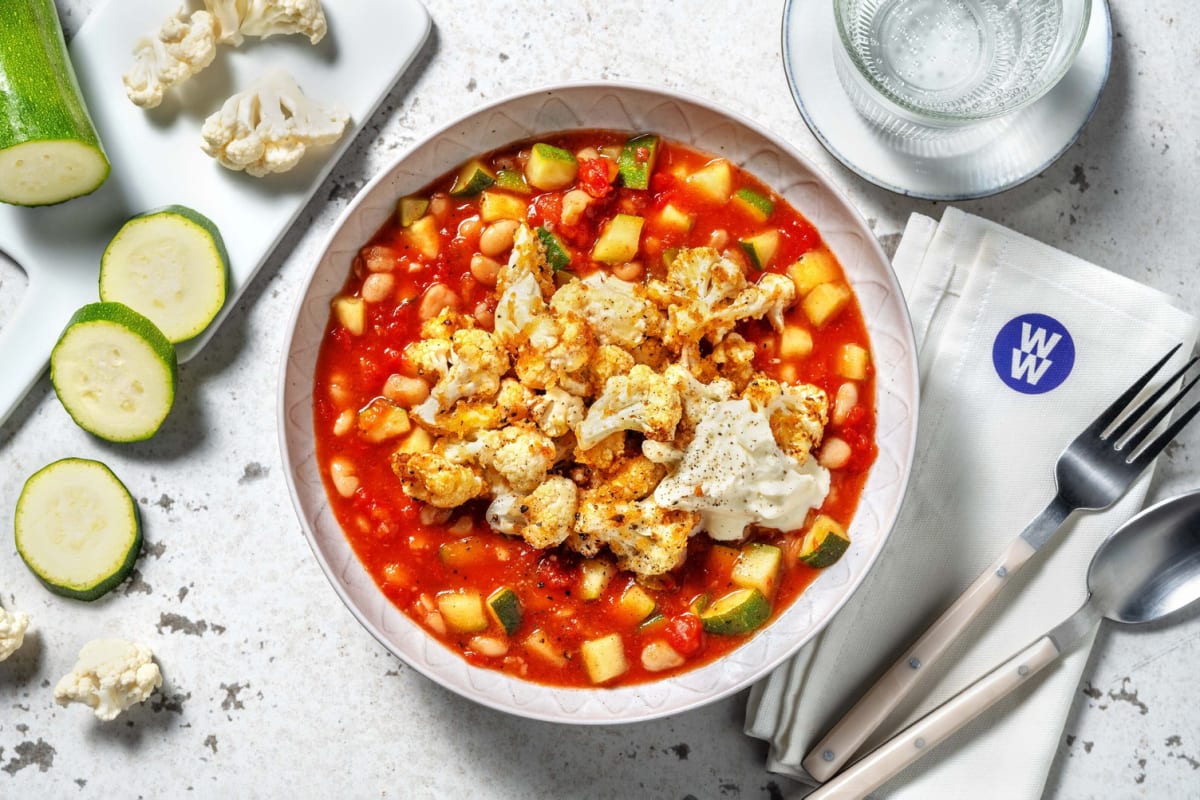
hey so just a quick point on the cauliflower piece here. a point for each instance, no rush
(445, 324)
(13, 625)
(504, 513)
(263, 18)
(617, 311)
(798, 418)
(635, 479)
(514, 400)
(550, 512)
(433, 478)
(706, 295)
(110, 676)
(603, 455)
(520, 454)
(468, 417)
(557, 412)
(608, 361)
(697, 398)
(646, 538)
(269, 126)
(522, 284)
(642, 401)
(732, 358)
(557, 364)
(179, 49)
(468, 365)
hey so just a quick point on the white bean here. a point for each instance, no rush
(488, 645)
(497, 238)
(436, 297)
(574, 203)
(485, 270)
(406, 391)
(844, 402)
(658, 656)
(342, 473)
(835, 453)
(344, 422)
(629, 271)
(378, 287)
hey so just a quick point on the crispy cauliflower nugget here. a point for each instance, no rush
(520, 454)
(550, 512)
(617, 311)
(469, 365)
(645, 538)
(642, 401)
(557, 412)
(445, 324)
(603, 455)
(522, 286)
(434, 479)
(798, 419)
(560, 363)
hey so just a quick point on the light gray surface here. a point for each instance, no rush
(273, 688)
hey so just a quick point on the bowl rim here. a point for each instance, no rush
(644, 712)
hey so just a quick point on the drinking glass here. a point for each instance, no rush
(932, 69)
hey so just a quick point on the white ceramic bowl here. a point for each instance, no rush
(693, 122)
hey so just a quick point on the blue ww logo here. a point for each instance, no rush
(1033, 353)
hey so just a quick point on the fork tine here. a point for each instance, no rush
(1132, 445)
(1134, 416)
(1151, 451)
(1110, 414)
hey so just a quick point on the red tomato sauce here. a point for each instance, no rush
(417, 553)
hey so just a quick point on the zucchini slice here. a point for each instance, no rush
(740, 611)
(557, 255)
(114, 372)
(77, 528)
(550, 167)
(472, 179)
(636, 161)
(169, 265)
(49, 149)
(505, 608)
(825, 542)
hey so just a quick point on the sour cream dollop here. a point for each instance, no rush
(734, 474)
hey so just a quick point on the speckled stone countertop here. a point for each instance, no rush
(272, 688)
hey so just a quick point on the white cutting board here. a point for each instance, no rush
(156, 159)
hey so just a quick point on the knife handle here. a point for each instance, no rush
(844, 739)
(935, 727)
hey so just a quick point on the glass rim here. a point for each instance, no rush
(1045, 85)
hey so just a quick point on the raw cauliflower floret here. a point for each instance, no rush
(706, 295)
(433, 478)
(798, 414)
(468, 365)
(110, 676)
(263, 18)
(520, 454)
(13, 625)
(550, 512)
(269, 127)
(557, 412)
(617, 311)
(646, 538)
(179, 49)
(642, 401)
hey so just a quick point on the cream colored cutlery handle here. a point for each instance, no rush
(843, 741)
(931, 730)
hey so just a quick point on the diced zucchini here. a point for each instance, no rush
(505, 608)
(557, 254)
(619, 239)
(721, 558)
(758, 568)
(824, 302)
(825, 542)
(713, 182)
(501, 205)
(636, 162)
(758, 206)
(740, 611)
(472, 179)
(169, 265)
(381, 419)
(760, 248)
(423, 235)
(853, 361)
(513, 181)
(636, 604)
(77, 528)
(652, 622)
(595, 574)
(604, 658)
(463, 610)
(467, 551)
(550, 168)
(795, 342)
(812, 269)
(668, 257)
(351, 313)
(115, 372)
(419, 441)
(49, 149)
(540, 645)
(671, 218)
(411, 209)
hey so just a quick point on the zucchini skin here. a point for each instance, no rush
(40, 99)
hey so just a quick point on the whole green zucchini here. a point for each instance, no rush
(49, 149)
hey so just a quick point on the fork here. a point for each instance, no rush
(1092, 472)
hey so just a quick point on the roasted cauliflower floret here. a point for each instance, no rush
(433, 478)
(270, 126)
(550, 512)
(468, 417)
(608, 361)
(179, 49)
(520, 454)
(617, 311)
(635, 479)
(522, 286)
(604, 454)
(468, 365)
(444, 325)
(646, 539)
(557, 412)
(641, 401)
(732, 359)
(514, 400)
(798, 419)
(560, 363)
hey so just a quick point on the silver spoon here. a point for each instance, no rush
(1147, 569)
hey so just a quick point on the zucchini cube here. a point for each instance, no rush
(795, 342)
(824, 302)
(423, 235)
(463, 610)
(757, 567)
(351, 313)
(604, 658)
(618, 241)
(501, 205)
(812, 269)
(853, 361)
(550, 168)
(713, 181)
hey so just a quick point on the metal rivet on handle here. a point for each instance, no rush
(827, 755)
(1002, 573)
(914, 662)
(920, 743)
(1022, 670)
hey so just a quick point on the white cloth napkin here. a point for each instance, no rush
(983, 469)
